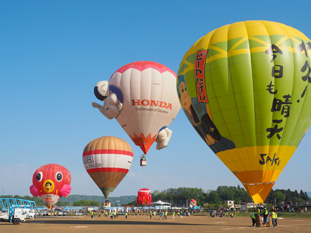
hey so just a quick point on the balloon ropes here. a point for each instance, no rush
(142, 97)
(107, 160)
(245, 89)
(51, 182)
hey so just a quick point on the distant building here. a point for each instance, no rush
(245, 206)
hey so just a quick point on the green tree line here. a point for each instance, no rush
(282, 195)
(179, 196)
(86, 203)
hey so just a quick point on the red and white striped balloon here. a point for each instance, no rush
(107, 160)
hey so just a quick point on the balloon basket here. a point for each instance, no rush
(143, 161)
(258, 221)
(107, 203)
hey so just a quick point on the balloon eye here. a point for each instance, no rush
(182, 90)
(39, 176)
(59, 176)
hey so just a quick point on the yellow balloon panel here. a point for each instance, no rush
(259, 174)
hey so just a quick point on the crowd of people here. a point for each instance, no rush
(164, 213)
(259, 216)
(161, 214)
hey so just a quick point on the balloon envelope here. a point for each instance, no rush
(107, 160)
(150, 102)
(244, 88)
(144, 197)
(51, 182)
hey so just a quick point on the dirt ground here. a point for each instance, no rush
(137, 224)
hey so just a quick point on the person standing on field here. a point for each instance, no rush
(253, 217)
(274, 217)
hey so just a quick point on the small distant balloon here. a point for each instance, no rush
(144, 197)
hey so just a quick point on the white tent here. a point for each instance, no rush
(160, 203)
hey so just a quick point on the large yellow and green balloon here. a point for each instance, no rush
(245, 88)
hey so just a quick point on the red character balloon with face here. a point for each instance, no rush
(51, 182)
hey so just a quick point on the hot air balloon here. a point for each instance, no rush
(51, 182)
(107, 160)
(142, 97)
(244, 89)
(144, 197)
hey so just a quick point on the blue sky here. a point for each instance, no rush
(52, 53)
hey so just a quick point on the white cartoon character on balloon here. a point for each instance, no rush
(113, 104)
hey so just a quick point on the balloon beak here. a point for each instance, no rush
(48, 186)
